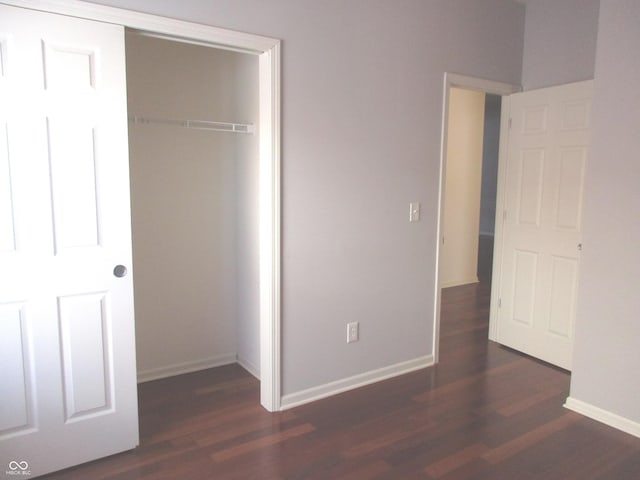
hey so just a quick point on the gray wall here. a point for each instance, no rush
(362, 113)
(607, 349)
(559, 42)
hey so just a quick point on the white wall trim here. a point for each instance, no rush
(604, 416)
(186, 367)
(248, 366)
(462, 281)
(268, 50)
(161, 26)
(469, 83)
(496, 277)
(270, 225)
(356, 381)
(480, 84)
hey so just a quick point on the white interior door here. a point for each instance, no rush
(547, 152)
(67, 351)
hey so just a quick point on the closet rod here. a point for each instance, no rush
(196, 124)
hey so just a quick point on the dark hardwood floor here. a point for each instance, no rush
(484, 412)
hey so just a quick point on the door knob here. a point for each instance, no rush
(120, 271)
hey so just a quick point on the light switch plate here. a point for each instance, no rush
(414, 212)
(353, 332)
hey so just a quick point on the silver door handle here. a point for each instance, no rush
(120, 271)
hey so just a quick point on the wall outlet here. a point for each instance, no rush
(352, 332)
(414, 212)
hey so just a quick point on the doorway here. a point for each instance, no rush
(193, 156)
(472, 265)
(470, 187)
(267, 50)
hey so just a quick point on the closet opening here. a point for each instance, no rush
(194, 167)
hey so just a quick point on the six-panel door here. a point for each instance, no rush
(67, 350)
(547, 153)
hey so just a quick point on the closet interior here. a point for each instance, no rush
(193, 146)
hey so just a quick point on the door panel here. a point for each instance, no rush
(69, 68)
(7, 230)
(530, 188)
(569, 202)
(86, 354)
(546, 158)
(15, 389)
(73, 184)
(67, 346)
(523, 287)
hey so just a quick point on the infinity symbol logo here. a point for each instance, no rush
(13, 465)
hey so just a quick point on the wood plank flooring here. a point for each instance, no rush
(484, 412)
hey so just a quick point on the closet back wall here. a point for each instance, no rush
(194, 208)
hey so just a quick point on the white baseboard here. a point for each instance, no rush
(249, 367)
(187, 367)
(459, 282)
(360, 380)
(603, 416)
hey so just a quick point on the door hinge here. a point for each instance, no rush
(510, 122)
(499, 302)
(504, 216)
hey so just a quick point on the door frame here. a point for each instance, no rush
(485, 86)
(268, 52)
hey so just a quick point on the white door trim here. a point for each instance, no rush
(469, 83)
(496, 277)
(268, 50)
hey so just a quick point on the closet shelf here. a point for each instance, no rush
(195, 124)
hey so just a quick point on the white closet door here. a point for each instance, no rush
(67, 351)
(547, 152)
